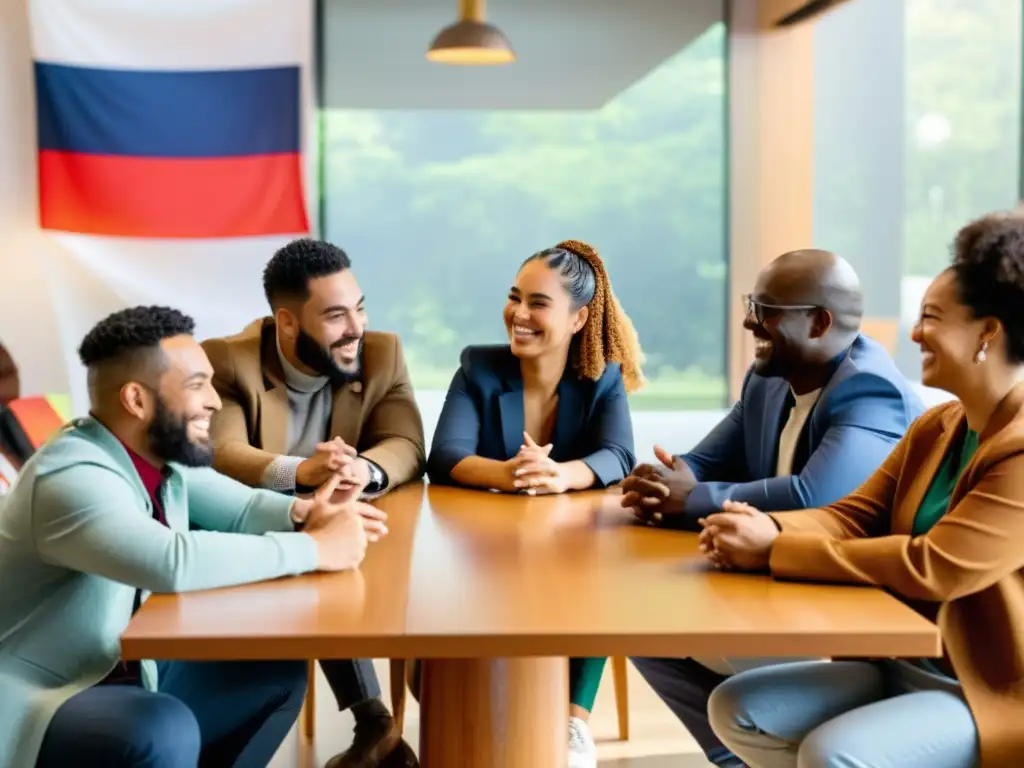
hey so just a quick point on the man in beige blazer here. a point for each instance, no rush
(300, 390)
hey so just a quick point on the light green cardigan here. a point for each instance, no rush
(77, 536)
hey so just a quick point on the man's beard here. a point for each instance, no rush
(776, 365)
(770, 368)
(168, 439)
(313, 356)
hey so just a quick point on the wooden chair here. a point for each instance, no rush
(398, 690)
(619, 672)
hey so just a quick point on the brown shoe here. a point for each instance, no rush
(401, 757)
(376, 740)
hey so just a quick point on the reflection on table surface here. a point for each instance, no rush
(476, 574)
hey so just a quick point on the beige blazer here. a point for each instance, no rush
(377, 414)
(966, 571)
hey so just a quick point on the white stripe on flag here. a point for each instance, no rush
(172, 34)
(217, 282)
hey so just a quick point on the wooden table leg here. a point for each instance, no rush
(494, 713)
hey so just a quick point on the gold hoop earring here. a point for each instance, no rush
(981, 356)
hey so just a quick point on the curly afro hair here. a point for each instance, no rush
(132, 330)
(988, 262)
(608, 336)
(287, 274)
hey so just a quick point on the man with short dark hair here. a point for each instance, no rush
(100, 517)
(304, 391)
(821, 408)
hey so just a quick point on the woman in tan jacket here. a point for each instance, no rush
(941, 526)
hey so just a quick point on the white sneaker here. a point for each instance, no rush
(582, 752)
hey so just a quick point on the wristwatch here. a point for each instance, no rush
(377, 477)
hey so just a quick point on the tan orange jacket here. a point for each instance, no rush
(969, 565)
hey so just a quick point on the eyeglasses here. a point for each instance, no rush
(760, 311)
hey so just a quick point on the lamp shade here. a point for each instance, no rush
(469, 43)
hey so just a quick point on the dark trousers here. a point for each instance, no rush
(352, 680)
(685, 686)
(206, 713)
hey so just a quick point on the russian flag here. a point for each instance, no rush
(169, 150)
(163, 119)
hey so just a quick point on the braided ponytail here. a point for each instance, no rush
(608, 335)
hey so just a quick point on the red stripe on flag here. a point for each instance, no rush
(171, 197)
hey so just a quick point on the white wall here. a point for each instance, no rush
(28, 327)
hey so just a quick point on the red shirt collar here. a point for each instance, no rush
(150, 476)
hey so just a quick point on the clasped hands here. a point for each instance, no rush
(335, 466)
(654, 492)
(333, 457)
(739, 537)
(534, 472)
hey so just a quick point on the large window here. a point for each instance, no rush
(439, 206)
(917, 121)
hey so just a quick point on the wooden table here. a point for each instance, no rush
(495, 591)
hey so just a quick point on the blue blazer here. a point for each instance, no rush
(483, 416)
(862, 413)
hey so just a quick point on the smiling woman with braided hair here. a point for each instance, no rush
(547, 413)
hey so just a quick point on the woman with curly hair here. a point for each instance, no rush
(547, 413)
(941, 526)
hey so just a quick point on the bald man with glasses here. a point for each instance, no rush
(821, 407)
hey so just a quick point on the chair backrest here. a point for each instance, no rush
(28, 422)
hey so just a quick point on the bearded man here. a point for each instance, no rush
(310, 392)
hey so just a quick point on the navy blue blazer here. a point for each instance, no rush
(861, 414)
(483, 416)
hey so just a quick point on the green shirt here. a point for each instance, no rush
(936, 504)
(936, 501)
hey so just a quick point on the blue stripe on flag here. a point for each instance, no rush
(136, 113)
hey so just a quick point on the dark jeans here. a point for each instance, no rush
(352, 680)
(206, 713)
